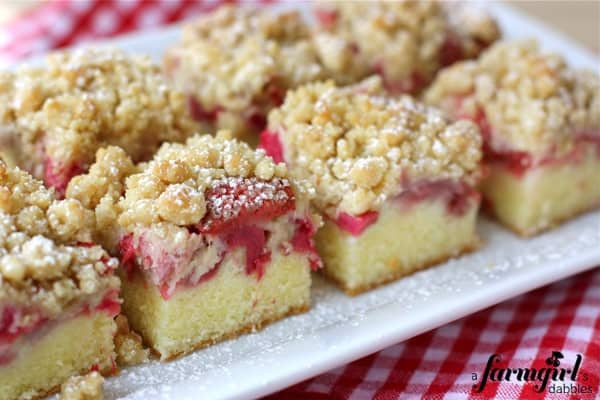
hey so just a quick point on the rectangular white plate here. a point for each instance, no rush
(340, 329)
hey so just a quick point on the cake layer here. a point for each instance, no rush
(543, 196)
(400, 242)
(45, 360)
(226, 304)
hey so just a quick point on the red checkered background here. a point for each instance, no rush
(439, 364)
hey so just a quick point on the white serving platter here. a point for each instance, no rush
(340, 329)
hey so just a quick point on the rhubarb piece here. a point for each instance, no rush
(58, 291)
(236, 63)
(540, 122)
(56, 116)
(215, 232)
(393, 179)
(406, 42)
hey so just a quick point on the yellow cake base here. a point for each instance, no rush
(399, 243)
(228, 304)
(70, 348)
(545, 196)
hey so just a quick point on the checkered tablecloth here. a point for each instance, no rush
(442, 364)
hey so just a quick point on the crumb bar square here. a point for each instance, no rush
(59, 292)
(540, 122)
(394, 179)
(236, 63)
(55, 117)
(216, 241)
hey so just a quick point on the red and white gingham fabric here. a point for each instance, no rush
(439, 364)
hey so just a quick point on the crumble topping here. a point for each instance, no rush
(358, 147)
(128, 344)
(33, 210)
(173, 185)
(240, 61)
(397, 38)
(88, 98)
(83, 387)
(532, 101)
(44, 264)
(100, 190)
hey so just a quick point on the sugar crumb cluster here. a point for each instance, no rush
(45, 261)
(81, 100)
(272, 52)
(359, 146)
(533, 100)
(172, 186)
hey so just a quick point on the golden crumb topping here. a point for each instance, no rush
(83, 387)
(34, 210)
(240, 61)
(46, 261)
(532, 100)
(403, 40)
(85, 99)
(172, 186)
(100, 190)
(128, 344)
(358, 146)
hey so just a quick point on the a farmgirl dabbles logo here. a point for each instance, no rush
(553, 377)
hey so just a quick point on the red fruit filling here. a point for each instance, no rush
(253, 240)
(199, 113)
(326, 18)
(11, 330)
(459, 197)
(235, 202)
(270, 143)
(303, 242)
(10, 327)
(356, 224)
(58, 176)
(519, 162)
(110, 304)
(235, 209)
(452, 50)
(412, 84)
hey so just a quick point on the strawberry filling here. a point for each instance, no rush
(452, 50)
(237, 209)
(303, 242)
(412, 84)
(520, 162)
(234, 202)
(11, 328)
(356, 224)
(255, 115)
(458, 196)
(58, 176)
(199, 113)
(253, 240)
(326, 18)
(271, 144)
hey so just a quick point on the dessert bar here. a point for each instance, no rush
(54, 118)
(540, 122)
(216, 242)
(58, 291)
(394, 179)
